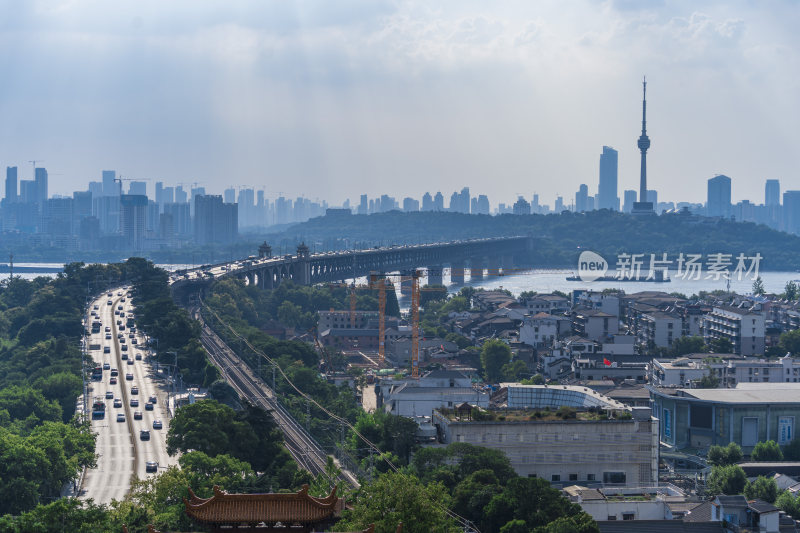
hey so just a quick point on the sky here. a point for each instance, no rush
(331, 99)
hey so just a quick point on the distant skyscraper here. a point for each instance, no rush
(110, 187)
(581, 198)
(791, 212)
(133, 219)
(181, 197)
(607, 189)
(483, 205)
(137, 188)
(11, 185)
(438, 202)
(643, 206)
(522, 207)
(410, 204)
(772, 193)
(40, 177)
(630, 199)
(363, 205)
(229, 195)
(427, 202)
(160, 193)
(652, 196)
(535, 207)
(719, 196)
(215, 221)
(559, 207)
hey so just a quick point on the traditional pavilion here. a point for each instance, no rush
(280, 513)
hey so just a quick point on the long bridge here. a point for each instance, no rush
(305, 268)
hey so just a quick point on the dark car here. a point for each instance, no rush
(134, 402)
(151, 466)
(117, 402)
(137, 415)
(106, 366)
(144, 434)
(157, 424)
(148, 407)
(134, 390)
(129, 376)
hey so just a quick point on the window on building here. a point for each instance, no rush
(614, 477)
(573, 477)
(627, 516)
(555, 477)
(612, 517)
(590, 477)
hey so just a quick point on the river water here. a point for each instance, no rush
(548, 280)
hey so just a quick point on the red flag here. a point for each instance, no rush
(606, 362)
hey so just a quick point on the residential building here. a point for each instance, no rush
(539, 330)
(133, 219)
(745, 329)
(553, 304)
(594, 324)
(11, 186)
(678, 373)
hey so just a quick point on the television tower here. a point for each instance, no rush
(643, 207)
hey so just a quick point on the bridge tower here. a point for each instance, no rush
(302, 270)
(265, 251)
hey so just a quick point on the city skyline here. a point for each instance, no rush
(299, 99)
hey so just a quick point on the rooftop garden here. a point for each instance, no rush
(478, 414)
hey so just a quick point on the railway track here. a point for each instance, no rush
(303, 447)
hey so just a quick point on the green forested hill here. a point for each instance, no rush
(559, 239)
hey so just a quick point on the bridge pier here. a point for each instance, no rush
(435, 276)
(457, 273)
(476, 269)
(406, 282)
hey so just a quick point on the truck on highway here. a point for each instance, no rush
(97, 373)
(98, 408)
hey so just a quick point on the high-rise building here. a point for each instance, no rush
(215, 221)
(559, 206)
(160, 193)
(719, 196)
(522, 206)
(791, 212)
(81, 207)
(58, 218)
(11, 185)
(229, 195)
(483, 205)
(652, 196)
(410, 204)
(40, 178)
(607, 189)
(427, 202)
(137, 188)
(643, 206)
(27, 191)
(181, 219)
(772, 193)
(581, 198)
(363, 205)
(133, 219)
(535, 207)
(181, 197)
(438, 202)
(630, 199)
(110, 187)
(96, 188)
(167, 196)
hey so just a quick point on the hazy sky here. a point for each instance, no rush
(331, 99)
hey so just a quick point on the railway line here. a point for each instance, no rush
(303, 447)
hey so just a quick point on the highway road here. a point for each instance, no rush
(304, 449)
(121, 451)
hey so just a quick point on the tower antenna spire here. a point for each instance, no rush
(643, 206)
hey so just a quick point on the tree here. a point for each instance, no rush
(763, 488)
(397, 497)
(728, 479)
(721, 345)
(791, 451)
(758, 287)
(788, 503)
(767, 451)
(494, 354)
(536, 379)
(514, 370)
(790, 290)
(24, 402)
(685, 345)
(790, 342)
(209, 427)
(708, 381)
(724, 455)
